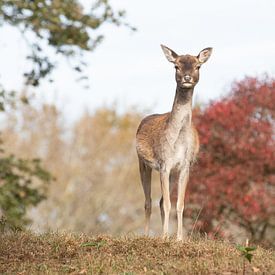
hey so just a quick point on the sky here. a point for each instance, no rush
(130, 69)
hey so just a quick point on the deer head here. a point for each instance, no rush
(187, 66)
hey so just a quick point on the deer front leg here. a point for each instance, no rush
(182, 183)
(173, 178)
(164, 180)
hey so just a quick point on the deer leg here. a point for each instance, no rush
(173, 178)
(145, 175)
(161, 210)
(182, 183)
(164, 179)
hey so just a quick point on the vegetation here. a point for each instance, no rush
(54, 28)
(17, 190)
(91, 168)
(246, 252)
(23, 181)
(237, 162)
(51, 28)
(81, 254)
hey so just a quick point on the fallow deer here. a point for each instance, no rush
(169, 142)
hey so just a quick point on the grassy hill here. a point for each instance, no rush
(56, 253)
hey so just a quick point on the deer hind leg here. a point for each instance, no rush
(182, 183)
(145, 175)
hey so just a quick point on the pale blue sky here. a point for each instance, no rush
(130, 68)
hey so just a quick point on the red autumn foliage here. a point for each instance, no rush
(234, 179)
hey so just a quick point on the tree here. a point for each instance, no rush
(50, 28)
(23, 183)
(64, 27)
(234, 180)
(95, 166)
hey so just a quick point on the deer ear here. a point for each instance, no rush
(204, 55)
(170, 55)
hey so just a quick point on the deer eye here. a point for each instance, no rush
(176, 67)
(198, 67)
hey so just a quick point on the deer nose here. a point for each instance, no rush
(187, 78)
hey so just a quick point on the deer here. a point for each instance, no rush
(169, 142)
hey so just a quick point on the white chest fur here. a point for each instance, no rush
(179, 136)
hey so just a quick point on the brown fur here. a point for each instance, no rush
(169, 142)
(149, 136)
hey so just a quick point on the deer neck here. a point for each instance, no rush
(181, 114)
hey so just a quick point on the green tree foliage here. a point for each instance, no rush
(22, 183)
(6, 99)
(61, 25)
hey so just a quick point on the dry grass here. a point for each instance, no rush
(56, 253)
